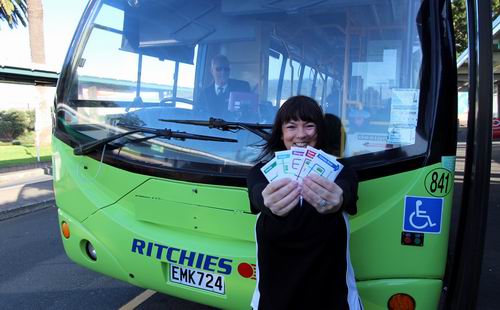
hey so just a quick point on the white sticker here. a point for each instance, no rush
(404, 116)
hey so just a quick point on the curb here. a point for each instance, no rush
(42, 165)
(4, 215)
(16, 175)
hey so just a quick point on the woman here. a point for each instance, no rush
(302, 246)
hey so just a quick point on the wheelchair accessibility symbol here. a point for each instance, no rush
(423, 214)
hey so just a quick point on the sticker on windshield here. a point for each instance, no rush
(448, 163)
(399, 135)
(404, 116)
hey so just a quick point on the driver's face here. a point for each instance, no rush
(220, 72)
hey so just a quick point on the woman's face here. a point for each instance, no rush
(299, 133)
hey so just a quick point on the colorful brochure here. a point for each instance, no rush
(297, 163)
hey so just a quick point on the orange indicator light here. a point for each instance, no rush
(65, 230)
(401, 301)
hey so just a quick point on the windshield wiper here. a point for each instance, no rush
(258, 129)
(165, 133)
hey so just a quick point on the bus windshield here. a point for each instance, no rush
(139, 62)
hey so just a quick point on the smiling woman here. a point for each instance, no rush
(313, 231)
(299, 121)
(299, 133)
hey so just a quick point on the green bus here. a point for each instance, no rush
(151, 188)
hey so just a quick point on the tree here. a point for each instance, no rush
(31, 12)
(459, 25)
(13, 12)
(37, 48)
(459, 12)
(13, 123)
(35, 21)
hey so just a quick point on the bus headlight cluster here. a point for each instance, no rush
(89, 248)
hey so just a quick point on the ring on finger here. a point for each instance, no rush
(323, 203)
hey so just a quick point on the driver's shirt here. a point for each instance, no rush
(220, 89)
(303, 258)
(215, 105)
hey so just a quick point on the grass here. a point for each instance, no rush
(13, 155)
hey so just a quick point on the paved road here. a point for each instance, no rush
(488, 294)
(489, 288)
(36, 274)
(17, 193)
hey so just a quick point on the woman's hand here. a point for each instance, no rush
(325, 196)
(281, 196)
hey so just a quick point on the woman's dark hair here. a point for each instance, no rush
(335, 134)
(295, 108)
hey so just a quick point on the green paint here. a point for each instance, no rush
(111, 207)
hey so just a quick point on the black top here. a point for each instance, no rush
(302, 258)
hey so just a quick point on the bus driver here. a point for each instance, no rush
(214, 99)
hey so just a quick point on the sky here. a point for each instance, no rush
(60, 21)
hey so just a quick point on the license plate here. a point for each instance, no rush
(196, 278)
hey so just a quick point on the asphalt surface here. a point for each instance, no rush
(489, 287)
(25, 191)
(35, 273)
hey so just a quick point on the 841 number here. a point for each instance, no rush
(439, 182)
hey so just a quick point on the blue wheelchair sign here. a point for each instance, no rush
(423, 214)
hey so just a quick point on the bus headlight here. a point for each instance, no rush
(89, 248)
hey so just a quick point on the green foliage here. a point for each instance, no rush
(459, 12)
(30, 117)
(14, 123)
(460, 25)
(12, 155)
(13, 12)
(27, 139)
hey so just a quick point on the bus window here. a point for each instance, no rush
(274, 75)
(102, 62)
(167, 81)
(321, 87)
(100, 78)
(333, 98)
(131, 63)
(110, 16)
(307, 82)
(382, 102)
(290, 80)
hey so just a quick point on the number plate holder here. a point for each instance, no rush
(207, 281)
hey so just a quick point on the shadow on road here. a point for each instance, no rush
(23, 195)
(488, 296)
